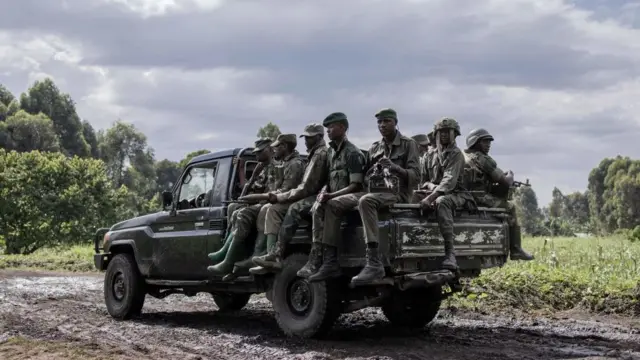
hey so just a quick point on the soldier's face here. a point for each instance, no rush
(280, 150)
(336, 131)
(484, 145)
(265, 154)
(386, 127)
(311, 141)
(423, 148)
(444, 137)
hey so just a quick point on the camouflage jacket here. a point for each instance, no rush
(447, 170)
(289, 172)
(315, 175)
(403, 151)
(481, 170)
(346, 165)
(267, 179)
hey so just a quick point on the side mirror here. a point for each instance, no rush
(167, 198)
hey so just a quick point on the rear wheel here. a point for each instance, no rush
(124, 287)
(413, 308)
(231, 302)
(303, 309)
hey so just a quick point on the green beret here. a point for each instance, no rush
(261, 144)
(387, 113)
(336, 117)
(421, 139)
(313, 130)
(285, 138)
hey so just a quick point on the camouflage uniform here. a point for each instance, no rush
(481, 171)
(447, 171)
(403, 152)
(291, 205)
(346, 166)
(248, 216)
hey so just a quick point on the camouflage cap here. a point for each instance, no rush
(313, 129)
(261, 144)
(421, 139)
(432, 137)
(336, 117)
(447, 123)
(284, 139)
(387, 113)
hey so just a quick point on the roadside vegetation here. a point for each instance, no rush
(597, 274)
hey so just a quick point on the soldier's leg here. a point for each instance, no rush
(245, 220)
(334, 211)
(232, 215)
(315, 255)
(368, 206)
(242, 267)
(445, 206)
(281, 224)
(515, 235)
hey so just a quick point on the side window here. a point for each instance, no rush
(196, 184)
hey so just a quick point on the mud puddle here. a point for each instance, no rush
(59, 309)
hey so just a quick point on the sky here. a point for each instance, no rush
(555, 82)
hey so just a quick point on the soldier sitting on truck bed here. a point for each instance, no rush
(283, 218)
(343, 190)
(246, 217)
(481, 171)
(426, 145)
(399, 155)
(446, 185)
(289, 175)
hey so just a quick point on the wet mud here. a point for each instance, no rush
(69, 309)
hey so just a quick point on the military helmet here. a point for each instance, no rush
(447, 123)
(476, 135)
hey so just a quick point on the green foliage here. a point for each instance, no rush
(598, 274)
(25, 132)
(270, 131)
(78, 258)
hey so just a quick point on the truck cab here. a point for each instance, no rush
(165, 253)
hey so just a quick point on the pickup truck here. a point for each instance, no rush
(166, 253)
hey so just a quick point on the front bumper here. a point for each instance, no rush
(101, 261)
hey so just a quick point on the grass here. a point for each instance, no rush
(597, 274)
(19, 348)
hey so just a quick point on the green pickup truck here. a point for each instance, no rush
(166, 253)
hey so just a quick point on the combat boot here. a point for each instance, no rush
(236, 252)
(373, 270)
(219, 255)
(270, 261)
(314, 262)
(330, 267)
(449, 262)
(241, 268)
(516, 251)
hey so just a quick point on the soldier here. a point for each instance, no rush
(293, 203)
(423, 143)
(246, 217)
(343, 190)
(289, 175)
(446, 185)
(400, 155)
(482, 172)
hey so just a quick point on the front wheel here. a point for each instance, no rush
(413, 308)
(303, 309)
(231, 302)
(124, 287)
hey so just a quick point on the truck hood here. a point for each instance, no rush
(144, 220)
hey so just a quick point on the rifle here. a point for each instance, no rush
(317, 203)
(382, 175)
(504, 192)
(254, 176)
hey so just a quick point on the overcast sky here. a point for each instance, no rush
(555, 82)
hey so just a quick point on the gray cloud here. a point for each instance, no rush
(551, 81)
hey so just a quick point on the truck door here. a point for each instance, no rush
(182, 240)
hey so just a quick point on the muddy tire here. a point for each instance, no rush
(124, 287)
(413, 308)
(302, 309)
(231, 302)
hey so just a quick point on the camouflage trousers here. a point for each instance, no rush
(290, 223)
(247, 218)
(368, 205)
(232, 214)
(274, 216)
(328, 217)
(491, 201)
(445, 206)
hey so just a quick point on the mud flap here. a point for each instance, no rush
(427, 280)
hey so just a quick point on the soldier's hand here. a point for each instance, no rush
(385, 161)
(324, 197)
(273, 198)
(509, 176)
(430, 200)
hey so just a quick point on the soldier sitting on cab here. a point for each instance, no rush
(481, 172)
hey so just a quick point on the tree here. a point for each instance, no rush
(190, 156)
(25, 132)
(529, 214)
(90, 137)
(270, 131)
(167, 173)
(45, 97)
(6, 97)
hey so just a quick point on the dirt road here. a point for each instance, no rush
(58, 316)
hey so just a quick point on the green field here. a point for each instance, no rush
(598, 274)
